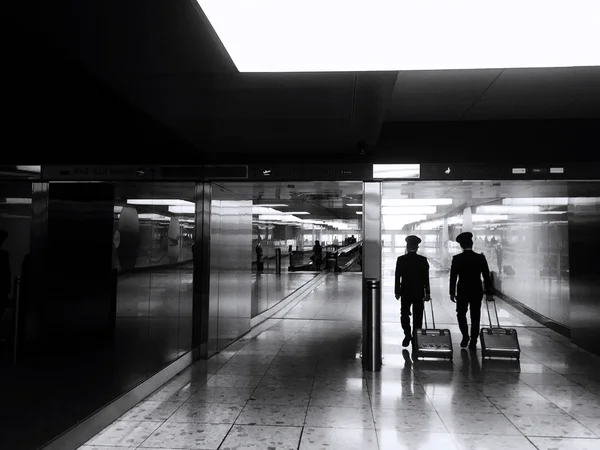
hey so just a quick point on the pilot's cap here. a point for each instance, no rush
(412, 241)
(465, 239)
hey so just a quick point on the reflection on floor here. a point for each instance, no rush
(268, 289)
(297, 383)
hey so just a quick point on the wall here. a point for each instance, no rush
(230, 268)
(584, 266)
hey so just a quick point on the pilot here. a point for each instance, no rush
(469, 267)
(412, 286)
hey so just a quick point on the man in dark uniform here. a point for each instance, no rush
(469, 267)
(412, 285)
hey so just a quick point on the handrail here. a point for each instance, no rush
(348, 248)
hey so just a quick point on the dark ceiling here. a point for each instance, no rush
(164, 59)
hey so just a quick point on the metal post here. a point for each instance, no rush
(16, 327)
(371, 351)
(278, 261)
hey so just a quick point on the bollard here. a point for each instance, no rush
(371, 344)
(278, 261)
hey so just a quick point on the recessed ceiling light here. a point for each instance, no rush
(379, 35)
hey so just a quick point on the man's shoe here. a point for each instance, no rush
(473, 345)
(464, 342)
(406, 341)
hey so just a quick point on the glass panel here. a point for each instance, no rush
(15, 236)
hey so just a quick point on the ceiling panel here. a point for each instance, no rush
(552, 93)
(437, 95)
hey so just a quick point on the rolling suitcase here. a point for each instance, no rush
(432, 342)
(499, 342)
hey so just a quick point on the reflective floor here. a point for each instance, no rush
(297, 383)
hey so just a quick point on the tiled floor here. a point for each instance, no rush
(298, 383)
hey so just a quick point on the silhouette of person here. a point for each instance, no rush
(499, 256)
(468, 267)
(411, 286)
(259, 256)
(317, 255)
(5, 275)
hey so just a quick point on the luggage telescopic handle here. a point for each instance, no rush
(496, 311)
(487, 304)
(432, 316)
(425, 314)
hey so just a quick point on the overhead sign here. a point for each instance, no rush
(310, 172)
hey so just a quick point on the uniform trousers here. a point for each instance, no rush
(417, 313)
(473, 304)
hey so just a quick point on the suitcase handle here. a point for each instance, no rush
(487, 304)
(425, 313)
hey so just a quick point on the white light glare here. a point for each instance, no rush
(359, 213)
(387, 171)
(398, 222)
(18, 201)
(182, 209)
(408, 210)
(34, 169)
(416, 201)
(501, 209)
(150, 216)
(378, 35)
(536, 201)
(159, 202)
(354, 204)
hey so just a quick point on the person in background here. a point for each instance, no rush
(469, 267)
(259, 256)
(317, 255)
(411, 287)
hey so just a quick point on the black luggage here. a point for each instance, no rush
(499, 342)
(432, 342)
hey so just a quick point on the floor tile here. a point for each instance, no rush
(213, 394)
(201, 412)
(219, 380)
(100, 447)
(244, 369)
(591, 423)
(391, 401)
(405, 420)
(478, 423)
(122, 433)
(244, 437)
(550, 426)
(545, 379)
(492, 442)
(565, 444)
(525, 405)
(280, 415)
(175, 393)
(314, 438)
(410, 440)
(151, 411)
(459, 403)
(188, 436)
(280, 396)
(336, 417)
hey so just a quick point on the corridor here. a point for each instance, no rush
(296, 382)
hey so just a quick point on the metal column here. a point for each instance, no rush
(278, 261)
(371, 298)
(371, 344)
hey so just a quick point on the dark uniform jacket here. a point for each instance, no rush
(469, 267)
(412, 276)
